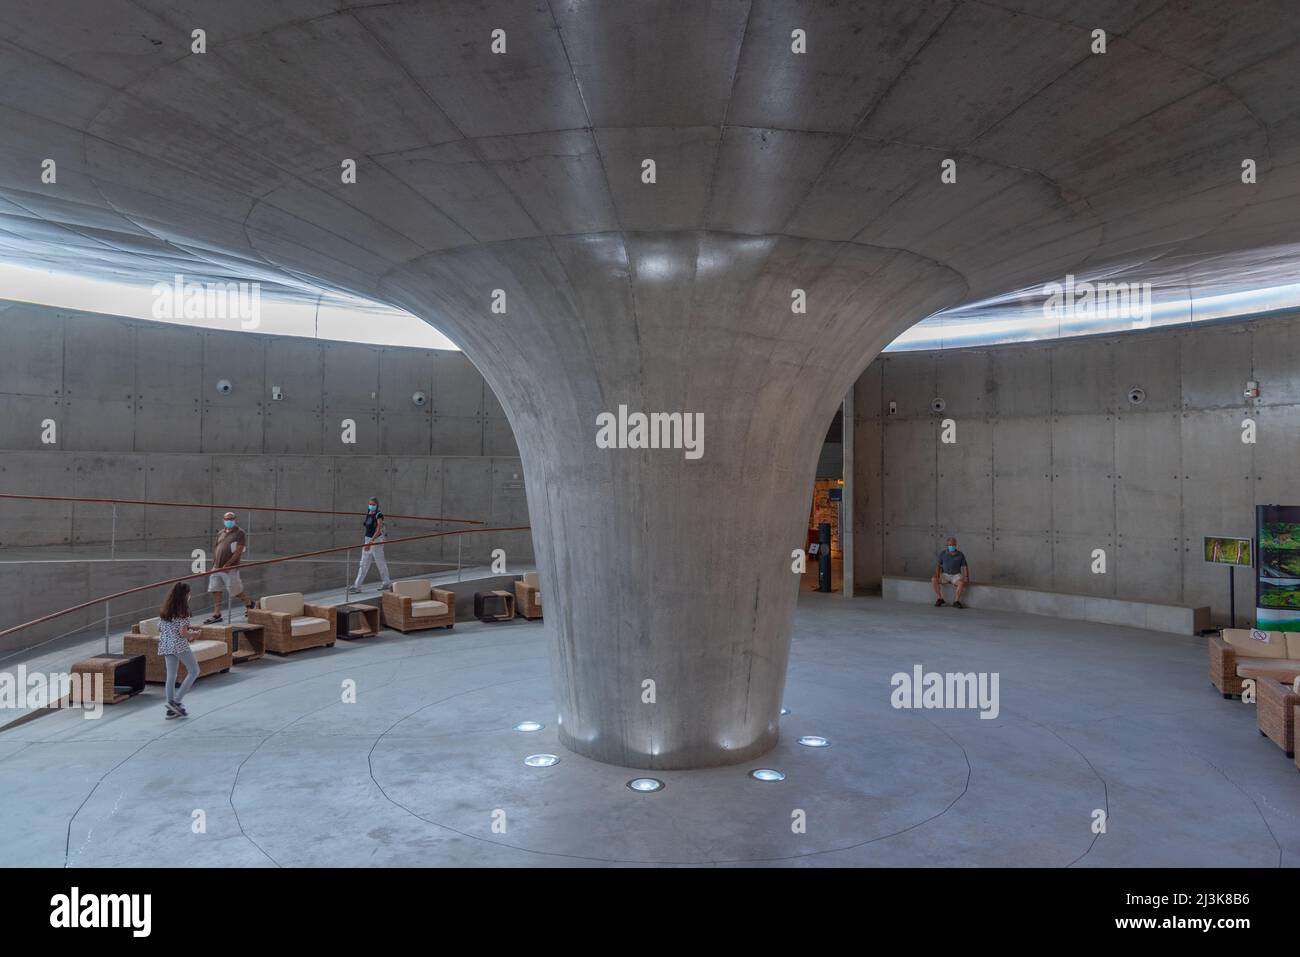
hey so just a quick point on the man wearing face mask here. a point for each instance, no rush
(373, 550)
(951, 568)
(227, 550)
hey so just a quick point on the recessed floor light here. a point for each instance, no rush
(529, 726)
(646, 784)
(766, 774)
(814, 741)
(541, 760)
(785, 710)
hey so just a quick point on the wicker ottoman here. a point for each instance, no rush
(1275, 704)
(121, 675)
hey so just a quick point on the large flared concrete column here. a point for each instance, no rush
(668, 577)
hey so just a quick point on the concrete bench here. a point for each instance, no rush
(1174, 619)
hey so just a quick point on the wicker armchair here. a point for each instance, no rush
(292, 624)
(528, 596)
(1275, 706)
(212, 652)
(1239, 654)
(417, 605)
(1223, 667)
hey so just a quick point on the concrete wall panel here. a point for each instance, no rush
(293, 431)
(177, 478)
(467, 493)
(965, 480)
(1218, 487)
(297, 366)
(910, 551)
(303, 481)
(1148, 499)
(1023, 381)
(169, 366)
(364, 431)
(1020, 559)
(457, 436)
(99, 363)
(1276, 359)
(98, 426)
(22, 418)
(31, 363)
(408, 432)
(36, 473)
(909, 472)
(1277, 456)
(509, 499)
(868, 436)
(242, 480)
(351, 381)
(498, 437)
(964, 379)
(1149, 569)
(1022, 482)
(1072, 564)
(232, 429)
(910, 380)
(457, 386)
(1082, 377)
(402, 373)
(240, 360)
(1215, 364)
(168, 426)
(108, 476)
(1083, 492)
(867, 394)
(1150, 363)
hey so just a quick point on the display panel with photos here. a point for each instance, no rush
(1228, 551)
(1277, 585)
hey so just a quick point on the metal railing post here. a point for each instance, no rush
(112, 544)
(107, 605)
(459, 540)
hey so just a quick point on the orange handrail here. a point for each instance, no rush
(266, 561)
(231, 508)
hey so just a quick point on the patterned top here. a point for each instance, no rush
(171, 636)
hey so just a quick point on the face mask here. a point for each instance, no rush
(229, 523)
(952, 548)
(371, 508)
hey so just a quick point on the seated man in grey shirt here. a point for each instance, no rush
(951, 567)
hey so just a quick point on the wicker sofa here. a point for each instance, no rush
(1242, 653)
(292, 624)
(417, 605)
(528, 596)
(211, 651)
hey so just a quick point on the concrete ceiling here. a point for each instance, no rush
(231, 158)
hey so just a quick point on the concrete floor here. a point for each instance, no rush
(1092, 716)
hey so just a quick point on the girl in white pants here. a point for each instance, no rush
(373, 552)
